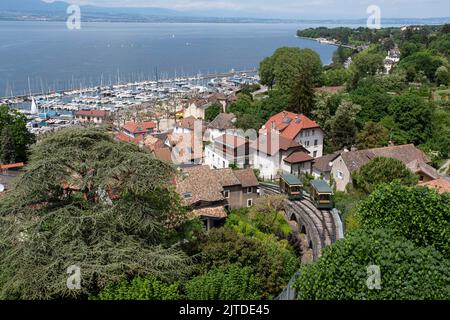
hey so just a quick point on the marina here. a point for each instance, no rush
(47, 111)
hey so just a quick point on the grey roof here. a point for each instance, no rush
(291, 179)
(223, 121)
(322, 164)
(405, 153)
(321, 186)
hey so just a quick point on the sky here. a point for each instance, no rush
(298, 9)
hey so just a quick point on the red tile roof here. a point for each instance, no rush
(298, 157)
(290, 124)
(441, 185)
(139, 127)
(272, 142)
(163, 154)
(126, 138)
(11, 166)
(93, 113)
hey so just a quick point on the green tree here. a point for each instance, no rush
(413, 115)
(416, 213)
(286, 64)
(213, 111)
(422, 61)
(335, 77)
(442, 76)
(273, 261)
(232, 282)
(149, 288)
(302, 97)
(7, 147)
(373, 135)
(382, 170)
(14, 135)
(343, 125)
(406, 271)
(87, 201)
(366, 63)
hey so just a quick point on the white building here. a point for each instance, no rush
(229, 150)
(300, 128)
(196, 108)
(274, 155)
(222, 124)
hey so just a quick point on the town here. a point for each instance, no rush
(242, 186)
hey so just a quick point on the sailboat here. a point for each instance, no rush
(34, 108)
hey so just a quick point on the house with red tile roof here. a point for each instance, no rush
(299, 128)
(211, 194)
(275, 154)
(92, 116)
(135, 132)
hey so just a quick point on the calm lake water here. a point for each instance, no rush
(52, 56)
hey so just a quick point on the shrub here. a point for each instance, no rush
(149, 288)
(419, 214)
(407, 271)
(225, 283)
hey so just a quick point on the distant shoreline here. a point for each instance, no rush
(163, 19)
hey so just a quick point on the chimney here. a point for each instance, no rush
(353, 148)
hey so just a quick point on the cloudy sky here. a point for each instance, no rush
(306, 9)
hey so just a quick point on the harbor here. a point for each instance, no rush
(52, 110)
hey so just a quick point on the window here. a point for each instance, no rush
(316, 142)
(315, 154)
(307, 143)
(339, 175)
(249, 190)
(223, 164)
(313, 132)
(226, 194)
(249, 202)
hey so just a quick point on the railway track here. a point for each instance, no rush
(321, 226)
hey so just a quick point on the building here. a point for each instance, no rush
(93, 116)
(413, 158)
(185, 148)
(300, 128)
(211, 193)
(229, 150)
(275, 154)
(440, 185)
(222, 124)
(196, 108)
(322, 166)
(136, 132)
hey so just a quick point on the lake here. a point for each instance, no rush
(52, 56)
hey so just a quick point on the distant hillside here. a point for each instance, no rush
(38, 6)
(31, 6)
